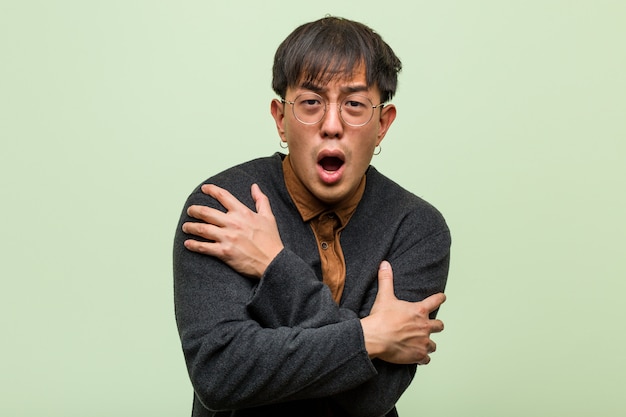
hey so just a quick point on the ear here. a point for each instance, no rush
(277, 108)
(387, 116)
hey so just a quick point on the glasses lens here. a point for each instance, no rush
(309, 108)
(356, 110)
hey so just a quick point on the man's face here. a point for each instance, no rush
(330, 157)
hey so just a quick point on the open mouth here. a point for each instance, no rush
(331, 163)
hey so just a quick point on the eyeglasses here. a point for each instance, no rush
(355, 110)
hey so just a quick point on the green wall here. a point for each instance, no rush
(511, 120)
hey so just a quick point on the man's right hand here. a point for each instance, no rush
(245, 240)
(399, 331)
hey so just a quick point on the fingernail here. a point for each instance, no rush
(384, 265)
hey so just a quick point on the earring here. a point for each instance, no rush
(380, 149)
(283, 145)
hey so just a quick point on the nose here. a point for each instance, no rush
(332, 124)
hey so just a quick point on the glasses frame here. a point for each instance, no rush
(326, 104)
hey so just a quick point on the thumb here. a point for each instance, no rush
(261, 201)
(385, 282)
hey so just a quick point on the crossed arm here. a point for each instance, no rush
(248, 242)
(396, 331)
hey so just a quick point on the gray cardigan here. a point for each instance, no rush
(281, 345)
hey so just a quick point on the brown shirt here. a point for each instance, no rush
(327, 223)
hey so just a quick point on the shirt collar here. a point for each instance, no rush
(309, 206)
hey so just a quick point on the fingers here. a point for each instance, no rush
(223, 196)
(424, 361)
(404, 336)
(205, 230)
(226, 199)
(230, 202)
(432, 303)
(431, 348)
(206, 248)
(207, 215)
(261, 201)
(436, 326)
(385, 282)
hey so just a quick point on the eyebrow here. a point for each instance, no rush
(308, 85)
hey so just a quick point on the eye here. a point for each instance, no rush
(310, 102)
(355, 103)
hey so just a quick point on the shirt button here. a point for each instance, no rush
(324, 245)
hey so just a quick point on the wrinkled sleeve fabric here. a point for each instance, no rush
(287, 298)
(236, 359)
(415, 278)
(250, 343)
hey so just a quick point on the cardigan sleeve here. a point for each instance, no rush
(287, 295)
(234, 360)
(290, 294)
(250, 343)
(419, 271)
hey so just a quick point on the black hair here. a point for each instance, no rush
(320, 51)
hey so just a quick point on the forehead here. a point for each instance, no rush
(344, 81)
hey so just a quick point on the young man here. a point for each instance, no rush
(284, 289)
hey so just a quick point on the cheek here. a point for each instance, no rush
(299, 153)
(366, 144)
(365, 152)
(293, 130)
(361, 158)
